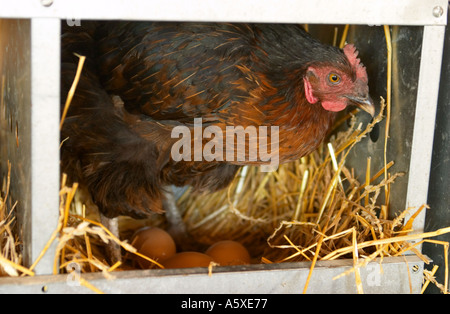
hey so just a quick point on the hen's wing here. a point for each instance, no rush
(101, 148)
(123, 160)
(177, 71)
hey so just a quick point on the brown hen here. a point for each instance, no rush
(167, 75)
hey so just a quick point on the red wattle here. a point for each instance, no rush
(333, 106)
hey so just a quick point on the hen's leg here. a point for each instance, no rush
(177, 228)
(113, 251)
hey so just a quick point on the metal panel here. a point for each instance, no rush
(438, 197)
(15, 121)
(396, 276)
(45, 179)
(375, 12)
(424, 123)
(29, 120)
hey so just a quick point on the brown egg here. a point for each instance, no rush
(140, 236)
(154, 243)
(229, 253)
(188, 259)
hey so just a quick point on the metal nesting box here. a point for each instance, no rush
(30, 113)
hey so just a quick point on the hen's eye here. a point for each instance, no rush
(333, 78)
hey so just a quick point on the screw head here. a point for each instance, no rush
(415, 269)
(46, 3)
(438, 11)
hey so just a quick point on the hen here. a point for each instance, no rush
(168, 74)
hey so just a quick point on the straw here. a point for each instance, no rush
(72, 88)
(388, 110)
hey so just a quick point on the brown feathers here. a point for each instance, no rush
(170, 74)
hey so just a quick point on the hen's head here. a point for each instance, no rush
(337, 85)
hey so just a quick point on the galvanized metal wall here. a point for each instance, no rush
(29, 119)
(439, 197)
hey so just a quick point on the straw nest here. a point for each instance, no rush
(308, 210)
(10, 257)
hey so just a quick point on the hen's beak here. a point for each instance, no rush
(365, 103)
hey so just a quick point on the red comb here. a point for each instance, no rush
(351, 53)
